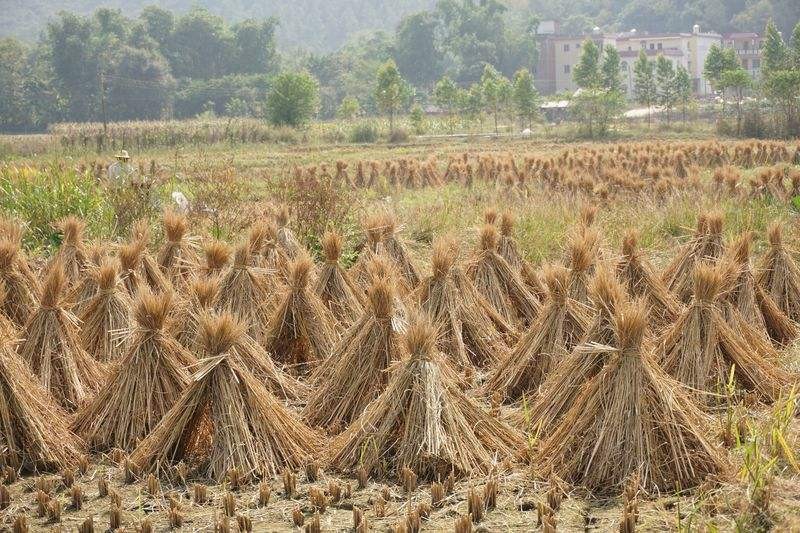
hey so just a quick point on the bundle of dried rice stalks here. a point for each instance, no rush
(227, 420)
(705, 247)
(52, 347)
(11, 229)
(563, 385)
(7, 326)
(71, 255)
(33, 432)
(217, 256)
(150, 271)
(333, 284)
(201, 298)
(507, 246)
(582, 249)
(470, 330)
(86, 287)
(274, 257)
(130, 263)
(106, 317)
(285, 236)
(300, 332)
(631, 418)
(560, 326)
(244, 292)
(423, 422)
(356, 371)
(178, 256)
(143, 385)
(396, 250)
(20, 284)
(499, 283)
(701, 348)
(746, 302)
(779, 275)
(641, 282)
(375, 229)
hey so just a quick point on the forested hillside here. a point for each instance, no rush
(319, 25)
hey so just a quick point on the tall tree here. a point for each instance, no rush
(254, 50)
(141, 86)
(683, 88)
(610, 69)
(159, 24)
(644, 83)
(200, 46)
(587, 73)
(391, 90)
(14, 115)
(719, 60)
(795, 46)
(416, 52)
(525, 97)
(445, 95)
(293, 99)
(666, 95)
(774, 52)
(495, 89)
(735, 83)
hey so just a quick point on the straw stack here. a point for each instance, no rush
(71, 255)
(178, 256)
(21, 289)
(333, 285)
(779, 275)
(106, 317)
(705, 247)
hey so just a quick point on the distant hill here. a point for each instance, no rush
(319, 25)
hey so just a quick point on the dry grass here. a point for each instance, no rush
(142, 385)
(333, 285)
(21, 285)
(779, 275)
(226, 419)
(106, 317)
(705, 247)
(178, 257)
(71, 255)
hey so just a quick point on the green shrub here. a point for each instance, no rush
(41, 197)
(398, 136)
(364, 133)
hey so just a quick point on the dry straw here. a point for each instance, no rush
(33, 432)
(7, 326)
(705, 247)
(632, 419)
(701, 349)
(333, 285)
(497, 281)
(397, 250)
(356, 371)
(178, 256)
(21, 289)
(300, 332)
(52, 347)
(149, 269)
(200, 298)
(143, 384)
(747, 304)
(563, 385)
(71, 255)
(253, 357)
(106, 317)
(274, 256)
(225, 420)
(507, 245)
(470, 332)
(559, 327)
(779, 275)
(244, 292)
(217, 255)
(285, 236)
(641, 281)
(582, 250)
(86, 287)
(423, 422)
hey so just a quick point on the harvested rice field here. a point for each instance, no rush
(503, 336)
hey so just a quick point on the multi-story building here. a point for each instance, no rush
(748, 49)
(558, 55)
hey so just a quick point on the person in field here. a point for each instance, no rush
(121, 171)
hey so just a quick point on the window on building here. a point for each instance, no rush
(660, 46)
(566, 47)
(756, 64)
(566, 69)
(652, 46)
(629, 48)
(642, 43)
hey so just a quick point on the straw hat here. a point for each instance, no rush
(122, 155)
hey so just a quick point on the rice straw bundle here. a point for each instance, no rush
(86, 287)
(501, 286)
(779, 275)
(275, 258)
(150, 271)
(356, 371)
(470, 330)
(226, 419)
(701, 348)
(52, 347)
(285, 237)
(143, 384)
(705, 247)
(374, 247)
(507, 245)
(632, 419)
(11, 229)
(178, 256)
(34, 436)
(746, 302)
(423, 422)
(217, 256)
(71, 255)
(256, 239)
(7, 326)
(582, 252)
(106, 317)
(244, 292)
(397, 252)
(334, 286)
(559, 327)
(201, 298)
(130, 263)
(21, 289)
(563, 385)
(641, 282)
(300, 332)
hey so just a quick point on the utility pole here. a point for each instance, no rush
(103, 103)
